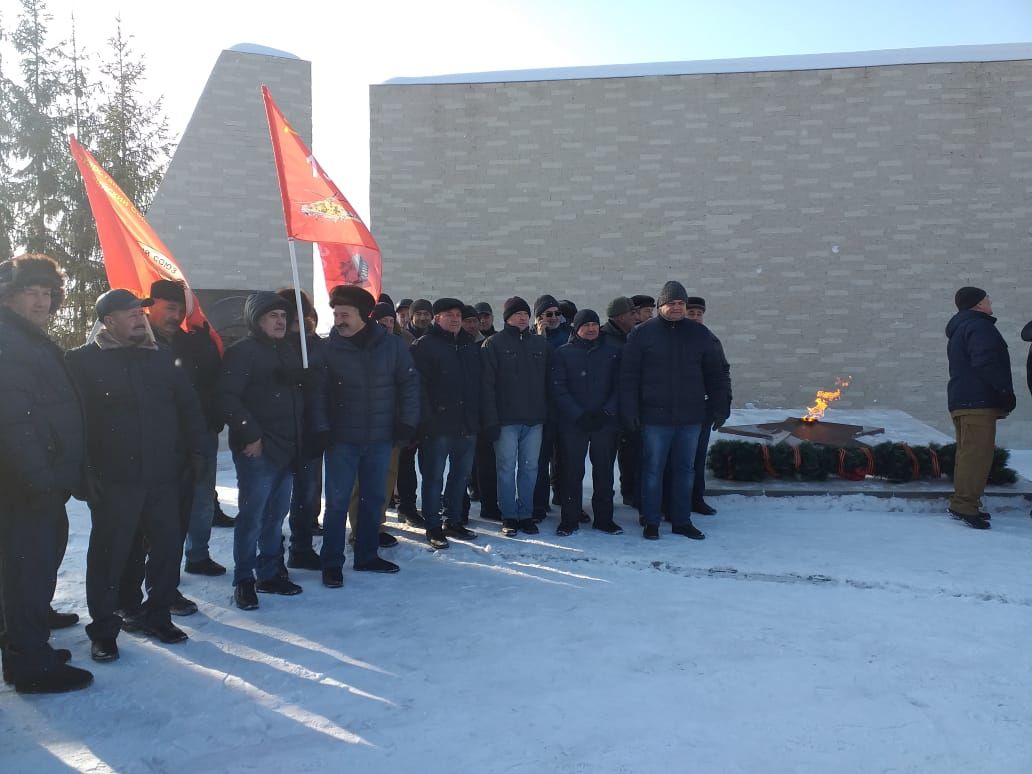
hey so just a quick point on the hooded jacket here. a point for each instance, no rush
(980, 373)
(42, 432)
(514, 378)
(371, 387)
(585, 376)
(143, 418)
(258, 393)
(449, 373)
(668, 370)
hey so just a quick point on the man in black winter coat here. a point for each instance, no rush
(670, 366)
(143, 421)
(514, 407)
(548, 320)
(419, 324)
(197, 354)
(980, 392)
(623, 315)
(42, 456)
(584, 384)
(261, 394)
(372, 400)
(448, 361)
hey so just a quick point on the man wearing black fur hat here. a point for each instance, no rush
(670, 366)
(143, 423)
(38, 407)
(979, 393)
(372, 400)
(448, 362)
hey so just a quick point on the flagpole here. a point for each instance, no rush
(300, 309)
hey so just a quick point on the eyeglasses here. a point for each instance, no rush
(549, 314)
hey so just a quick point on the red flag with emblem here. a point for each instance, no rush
(315, 210)
(134, 256)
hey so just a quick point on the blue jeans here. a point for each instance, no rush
(457, 451)
(679, 444)
(346, 462)
(516, 461)
(264, 490)
(305, 503)
(198, 531)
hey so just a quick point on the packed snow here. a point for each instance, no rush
(820, 634)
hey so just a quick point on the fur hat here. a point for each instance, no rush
(968, 297)
(446, 304)
(352, 295)
(568, 309)
(307, 307)
(512, 306)
(672, 291)
(32, 269)
(381, 310)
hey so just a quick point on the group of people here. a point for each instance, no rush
(130, 422)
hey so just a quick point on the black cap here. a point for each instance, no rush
(468, 311)
(695, 302)
(512, 306)
(483, 308)
(446, 305)
(421, 305)
(405, 303)
(642, 301)
(381, 310)
(968, 297)
(618, 306)
(583, 317)
(119, 300)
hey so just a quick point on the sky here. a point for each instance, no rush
(352, 45)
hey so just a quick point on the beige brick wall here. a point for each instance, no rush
(826, 215)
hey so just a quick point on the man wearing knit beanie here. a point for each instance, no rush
(671, 411)
(584, 383)
(37, 476)
(980, 392)
(514, 406)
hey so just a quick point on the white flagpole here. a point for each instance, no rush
(300, 309)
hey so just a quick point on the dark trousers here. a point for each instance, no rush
(487, 479)
(305, 503)
(629, 457)
(407, 482)
(548, 472)
(32, 545)
(600, 446)
(123, 511)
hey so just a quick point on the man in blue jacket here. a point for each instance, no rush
(448, 362)
(584, 384)
(980, 392)
(669, 366)
(372, 400)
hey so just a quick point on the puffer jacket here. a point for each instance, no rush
(980, 373)
(514, 378)
(668, 371)
(449, 373)
(585, 375)
(370, 389)
(258, 392)
(42, 432)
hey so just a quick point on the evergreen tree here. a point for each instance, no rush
(7, 219)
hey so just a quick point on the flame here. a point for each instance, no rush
(824, 398)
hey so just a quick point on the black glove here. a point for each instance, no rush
(631, 425)
(491, 434)
(1009, 402)
(316, 444)
(718, 422)
(404, 433)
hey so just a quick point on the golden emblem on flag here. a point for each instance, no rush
(328, 209)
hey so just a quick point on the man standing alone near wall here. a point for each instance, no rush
(980, 392)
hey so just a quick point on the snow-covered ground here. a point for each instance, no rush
(846, 634)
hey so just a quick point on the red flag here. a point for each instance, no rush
(315, 210)
(134, 256)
